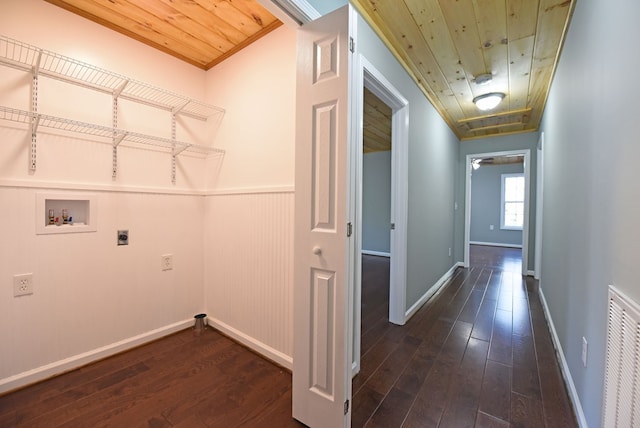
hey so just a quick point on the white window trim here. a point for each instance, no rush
(502, 201)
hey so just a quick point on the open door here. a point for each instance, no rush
(322, 302)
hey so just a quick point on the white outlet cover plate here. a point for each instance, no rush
(166, 261)
(22, 284)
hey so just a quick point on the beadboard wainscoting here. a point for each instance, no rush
(249, 268)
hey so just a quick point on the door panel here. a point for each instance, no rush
(322, 353)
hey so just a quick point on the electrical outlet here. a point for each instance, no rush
(585, 346)
(490, 227)
(449, 252)
(166, 261)
(22, 284)
(123, 237)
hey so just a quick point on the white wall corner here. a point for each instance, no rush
(58, 367)
(253, 344)
(573, 393)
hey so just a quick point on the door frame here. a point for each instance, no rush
(527, 187)
(367, 75)
(539, 205)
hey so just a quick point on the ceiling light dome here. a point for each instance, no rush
(488, 101)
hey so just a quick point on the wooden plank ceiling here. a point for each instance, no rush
(376, 129)
(446, 44)
(200, 32)
(443, 44)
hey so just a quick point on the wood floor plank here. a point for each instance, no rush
(525, 368)
(365, 403)
(501, 347)
(521, 317)
(390, 370)
(484, 322)
(465, 391)
(486, 421)
(495, 398)
(505, 299)
(459, 417)
(392, 411)
(493, 288)
(526, 412)
(472, 306)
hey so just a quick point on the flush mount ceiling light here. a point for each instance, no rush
(488, 101)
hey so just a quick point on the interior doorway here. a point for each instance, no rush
(499, 226)
(376, 219)
(369, 79)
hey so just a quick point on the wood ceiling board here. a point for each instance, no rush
(197, 23)
(433, 27)
(520, 59)
(421, 66)
(522, 17)
(200, 32)
(446, 44)
(376, 124)
(492, 28)
(461, 20)
(226, 12)
(138, 27)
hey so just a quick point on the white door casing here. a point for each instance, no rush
(539, 205)
(467, 209)
(365, 74)
(322, 312)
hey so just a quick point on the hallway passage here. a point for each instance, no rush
(478, 354)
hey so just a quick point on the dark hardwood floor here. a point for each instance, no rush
(478, 354)
(182, 380)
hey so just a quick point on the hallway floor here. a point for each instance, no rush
(478, 354)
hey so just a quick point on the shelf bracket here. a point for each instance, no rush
(179, 108)
(117, 139)
(176, 151)
(119, 89)
(36, 66)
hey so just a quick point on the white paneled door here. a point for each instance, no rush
(322, 334)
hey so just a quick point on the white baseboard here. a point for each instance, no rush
(274, 355)
(531, 273)
(573, 393)
(495, 244)
(376, 253)
(73, 362)
(431, 292)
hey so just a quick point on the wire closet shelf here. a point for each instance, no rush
(32, 59)
(53, 122)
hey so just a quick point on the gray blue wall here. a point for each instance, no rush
(376, 201)
(433, 162)
(591, 235)
(486, 196)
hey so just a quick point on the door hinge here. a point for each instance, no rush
(352, 45)
(393, 226)
(349, 229)
(346, 407)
